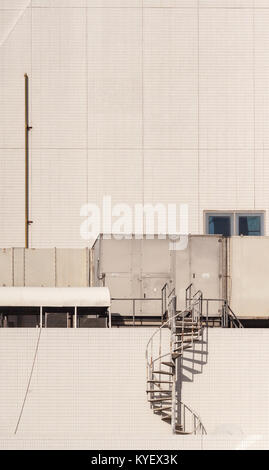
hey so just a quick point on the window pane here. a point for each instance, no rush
(250, 225)
(219, 225)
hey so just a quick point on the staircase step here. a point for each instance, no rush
(187, 339)
(187, 328)
(176, 355)
(169, 364)
(186, 346)
(159, 391)
(162, 372)
(162, 409)
(187, 331)
(156, 400)
(159, 382)
(178, 431)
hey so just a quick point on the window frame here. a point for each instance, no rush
(249, 214)
(234, 217)
(218, 214)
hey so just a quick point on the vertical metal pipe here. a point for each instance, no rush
(26, 130)
(91, 267)
(133, 312)
(75, 317)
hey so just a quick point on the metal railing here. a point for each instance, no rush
(227, 317)
(163, 300)
(155, 355)
(191, 422)
(134, 301)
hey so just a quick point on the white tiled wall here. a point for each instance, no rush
(88, 390)
(164, 103)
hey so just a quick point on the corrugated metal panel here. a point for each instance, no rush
(72, 267)
(115, 173)
(86, 90)
(170, 78)
(11, 197)
(18, 262)
(40, 268)
(171, 176)
(59, 189)
(6, 267)
(114, 78)
(15, 60)
(59, 78)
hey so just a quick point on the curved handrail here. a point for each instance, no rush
(200, 424)
(197, 423)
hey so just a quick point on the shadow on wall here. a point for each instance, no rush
(193, 361)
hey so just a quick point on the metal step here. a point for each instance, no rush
(156, 400)
(169, 364)
(176, 355)
(187, 327)
(186, 346)
(161, 409)
(162, 372)
(187, 340)
(159, 381)
(188, 333)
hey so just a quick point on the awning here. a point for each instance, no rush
(54, 297)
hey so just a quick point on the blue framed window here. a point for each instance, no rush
(234, 223)
(220, 224)
(249, 224)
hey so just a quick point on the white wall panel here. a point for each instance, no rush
(226, 109)
(262, 184)
(222, 371)
(226, 79)
(59, 189)
(11, 198)
(15, 61)
(226, 3)
(72, 267)
(114, 77)
(226, 180)
(6, 267)
(59, 3)
(171, 176)
(170, 78)
(115, 173)
(226, 37)
(7, 21)
(261, 78)
(114, 3)
(40, 268)
(170, 3)
(13, 4)
(59, 78)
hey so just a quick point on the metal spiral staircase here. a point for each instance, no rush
(164, 366)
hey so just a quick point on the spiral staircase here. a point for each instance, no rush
(164, 364)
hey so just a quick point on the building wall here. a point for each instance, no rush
(79, 398)
(226, 384)
(248, 276)
(143, 100)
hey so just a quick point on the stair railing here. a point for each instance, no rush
(229, 319)
(155, 344)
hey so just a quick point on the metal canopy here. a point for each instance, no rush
(54, 296)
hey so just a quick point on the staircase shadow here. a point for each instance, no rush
(193, 361)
